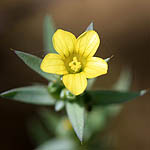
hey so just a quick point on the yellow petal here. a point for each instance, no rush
(53, 63)
(75, 83)
(95, 67)
(87, 43)
(64, 42)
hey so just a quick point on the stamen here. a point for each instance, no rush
(75, 65)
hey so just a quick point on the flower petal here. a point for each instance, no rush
(64, 42)
(53, 63)
(87, 43)
(75, 83)
(95, 67)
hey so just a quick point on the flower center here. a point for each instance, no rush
(75, 65)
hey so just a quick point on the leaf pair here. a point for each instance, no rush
(35, 94)
(76, 110)
(39, 95)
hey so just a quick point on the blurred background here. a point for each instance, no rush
(124, 29)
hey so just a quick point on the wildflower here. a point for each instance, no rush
(75, 59)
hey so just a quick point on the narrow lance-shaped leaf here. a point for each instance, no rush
(96, 121)
(34, 63)
(109, 58)
(49, 119)
(125, 80)
(37, 131)
(31, 94)
(75, 111)
(112, 97)
(58, 144)
(90, 83)
(48, 31)
(90, 27)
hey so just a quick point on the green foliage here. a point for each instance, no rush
(90, 27)
(125, 80)
(54, 124)
(34, 63)
(96, 121)
(90, 83)
(37, 95)
(99, 98)
(109, 58)
(59, 105)
(37, 132)
(75, 111)
(58, 144)
(56, 94)
(48, 31)
(49, 119)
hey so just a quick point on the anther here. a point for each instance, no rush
(75, 65)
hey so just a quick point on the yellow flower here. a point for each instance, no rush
(75, 59)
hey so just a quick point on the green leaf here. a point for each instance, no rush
(96, 121)
(125, 80)
(113, 110)
(48, 31)
(75, 112)
(37, 132)
(31, 94)
(58, 144)
(109, 58)
(34, 63)
(54, 124)
(59, 105)
(49, 119)
(90, 27)
(112, 97)
(90, 83)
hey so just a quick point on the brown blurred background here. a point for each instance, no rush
(124, 28)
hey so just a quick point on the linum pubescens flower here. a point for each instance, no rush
(75, 59)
